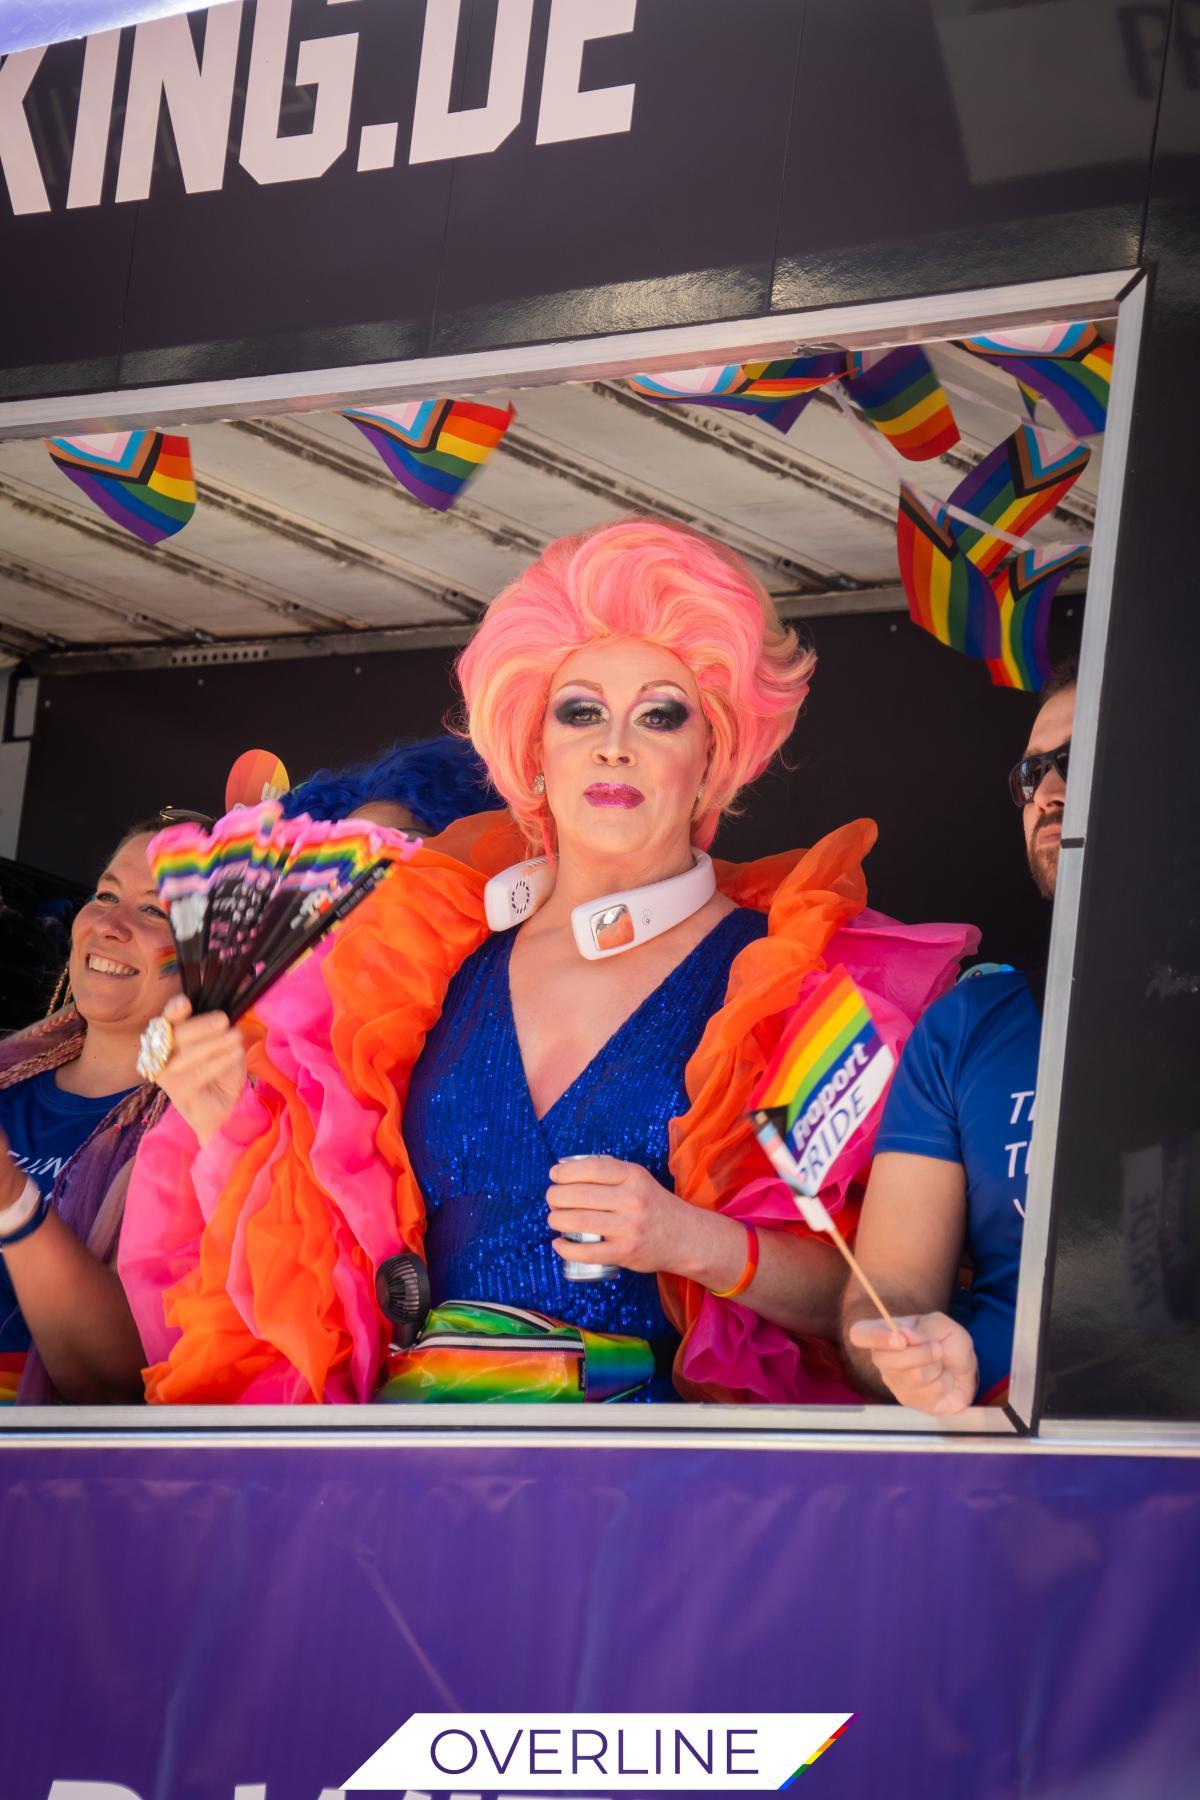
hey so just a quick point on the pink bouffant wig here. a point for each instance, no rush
(639, 579)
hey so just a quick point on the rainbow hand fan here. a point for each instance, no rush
(247, 898)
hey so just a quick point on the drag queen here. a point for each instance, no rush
(580, 1070)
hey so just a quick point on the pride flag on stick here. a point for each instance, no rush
(817, 1097)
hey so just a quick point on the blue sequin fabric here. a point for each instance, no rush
(483, 1158)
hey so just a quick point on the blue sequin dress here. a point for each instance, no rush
(482, 1157)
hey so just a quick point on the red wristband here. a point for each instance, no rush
(748, 1273)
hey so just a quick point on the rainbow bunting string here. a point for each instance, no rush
(434, 447)
(1055, 339)
(898, 391)
(1070, 366)
(142, 480)
(1025, 588)
(1014, 486)
(776, 392)
(948, 596)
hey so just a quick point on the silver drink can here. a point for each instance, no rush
(579, 1271)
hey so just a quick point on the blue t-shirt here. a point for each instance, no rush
(44, 1126)
(964, 1092)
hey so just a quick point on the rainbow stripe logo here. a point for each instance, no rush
(829, 1742)
(829, 1073)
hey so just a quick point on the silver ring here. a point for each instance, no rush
(154, 1051)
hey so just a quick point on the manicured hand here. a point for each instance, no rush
(644, 1225)
(206, 1072)
(929, 1362)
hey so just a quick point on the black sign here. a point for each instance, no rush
(302, 184)
(287, 185)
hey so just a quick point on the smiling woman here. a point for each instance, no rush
(72, 1112)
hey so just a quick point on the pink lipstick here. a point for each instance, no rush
(605, 793)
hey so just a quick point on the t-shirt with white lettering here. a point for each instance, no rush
(964, 1092)
(44, 1126)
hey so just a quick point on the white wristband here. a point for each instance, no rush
(21, 1210)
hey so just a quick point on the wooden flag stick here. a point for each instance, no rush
(859, 1273)
(814, 1209)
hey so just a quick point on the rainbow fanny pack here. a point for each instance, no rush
(471, 1350)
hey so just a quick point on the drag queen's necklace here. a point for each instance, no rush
(613, 923)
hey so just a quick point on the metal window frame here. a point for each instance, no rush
(929, 318)
(1033, 1295)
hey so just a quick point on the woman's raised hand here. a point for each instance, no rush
(644, 1226)
(928, 1362)
(205, 1074)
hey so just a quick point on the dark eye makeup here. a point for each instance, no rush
(665, 715)
(576, 710)
(658, 715)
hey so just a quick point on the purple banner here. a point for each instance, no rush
(184, 1621)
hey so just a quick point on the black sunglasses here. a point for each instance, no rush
(1025, 780)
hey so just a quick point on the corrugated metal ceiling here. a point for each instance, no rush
(302, 538)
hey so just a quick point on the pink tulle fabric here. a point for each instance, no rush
(899, 970)
(177, 1183)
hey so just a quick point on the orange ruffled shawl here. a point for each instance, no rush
(250, 1263)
